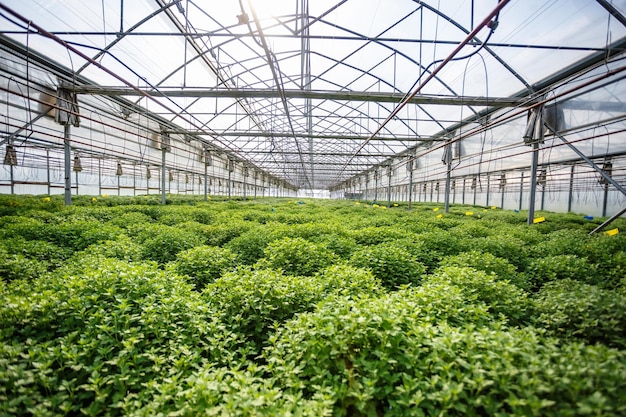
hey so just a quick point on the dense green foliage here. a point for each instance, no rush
(121, 306)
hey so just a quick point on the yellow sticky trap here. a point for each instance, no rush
(478, 216)
(469, 213)
(384, 207)
(436, 209)
(484, 210)
(46, 199)
(357, 203)
(94, 199)
(395, 204)
(439, 216)
(612, 232)
(493, 207)
(539, 219)
(375, 206)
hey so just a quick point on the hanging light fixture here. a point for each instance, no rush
(186, 179)
(10, 157)
(119, 171)
(171, 177)
(78, 167)
(148, 174)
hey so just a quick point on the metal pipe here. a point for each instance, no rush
(533, 183)
(411, 188)
(521, 191)
(68, 167)
(570, 195)
(447, 191)
(389, 187)
(206, 182)
(604, 175)
(608, 221)
(163, 151)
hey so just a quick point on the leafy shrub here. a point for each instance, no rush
(221, 234)
(542, 270)
(21, 227)
(123, 248)
(203, 264)
(296, 256)
(92, 343)
(342, 245)
(254, 302)
(16, 266)
(390, 263)
(162, 243)
(507, 247)
(124, 220)
(502, 297)
(39, 250)
(489, 263)
(346, 280)
(232, 392)
(249, 246)
(376, 357)
(374, 235)
(572, 309)
(562, 242)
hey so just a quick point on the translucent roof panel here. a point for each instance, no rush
(305, 89)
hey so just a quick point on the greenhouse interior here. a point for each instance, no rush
(515, 104)
(329, 208)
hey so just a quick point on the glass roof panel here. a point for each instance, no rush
(315, 80)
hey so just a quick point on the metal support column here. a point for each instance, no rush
(605, 176)
(163, 151)
(605, 200)
(533, 182)
(570, 196)
(68, 166)
(229, 180)
(389, 186)
(521, 190)
(375, 186)
(48, 168)
(447, 190)
(206, 182)
(411, 186)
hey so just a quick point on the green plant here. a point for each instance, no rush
(255, 302)
(296, 256)
(501, 297)
(203, 264)
(489, 263)
(542, 270)
(162, 243)
(511, 248)
(249, 246)
(92, 343)
(377, 356)
(346, 280)
(16, 266)
(390, 263)
(575, 310)
(231, 392)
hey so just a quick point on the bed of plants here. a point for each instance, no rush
(121, 306)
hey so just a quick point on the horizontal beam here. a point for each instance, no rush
(279, 135)
(379, 97)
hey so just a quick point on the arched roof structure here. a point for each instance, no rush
(318, 94)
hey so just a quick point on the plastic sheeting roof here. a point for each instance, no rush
(305, 90)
